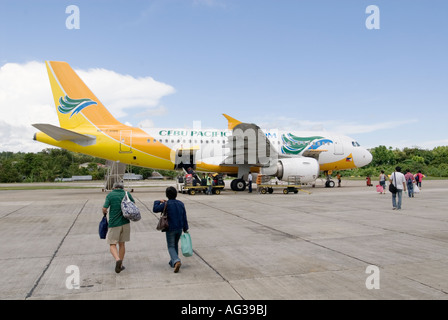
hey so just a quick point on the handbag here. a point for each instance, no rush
(163, 225)
(103, 227)
(392, 187)
(186, 245)
(129, 209)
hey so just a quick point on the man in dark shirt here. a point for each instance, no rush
(119, 227)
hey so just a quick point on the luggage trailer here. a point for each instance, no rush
(267, 186)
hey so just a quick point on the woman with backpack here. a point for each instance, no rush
(418, 178)
(410, 183)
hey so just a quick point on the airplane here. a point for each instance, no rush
(87, 127)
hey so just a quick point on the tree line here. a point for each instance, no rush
(432, 163)
(50, 164)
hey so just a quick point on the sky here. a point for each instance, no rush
(380, 77)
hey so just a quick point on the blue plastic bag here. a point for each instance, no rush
(186, 245)
(103, 227)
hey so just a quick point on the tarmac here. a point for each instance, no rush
(340, 243)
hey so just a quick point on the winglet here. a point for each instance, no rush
(232, 122)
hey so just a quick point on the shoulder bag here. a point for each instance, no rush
(129, 209)
(392, 187)
(162, 225)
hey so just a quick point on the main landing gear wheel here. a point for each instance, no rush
(329, 184)
(238, 185)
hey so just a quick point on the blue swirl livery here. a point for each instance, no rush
(73, 106)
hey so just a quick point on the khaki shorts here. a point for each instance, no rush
(119, 234)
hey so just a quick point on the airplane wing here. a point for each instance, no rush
(243, 150)
(249, 146)
(60, 134)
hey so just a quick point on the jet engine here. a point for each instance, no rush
(304, 167)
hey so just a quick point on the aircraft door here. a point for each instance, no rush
(185, 158)
(338, 147)
(125, 141)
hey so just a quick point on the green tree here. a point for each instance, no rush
(440, 155)
(382, 156)
(9, 172)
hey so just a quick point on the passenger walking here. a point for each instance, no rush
(119, 228)
(418, 178)
(399, 181)
(410, 183)
(177, 221)
(382, 181)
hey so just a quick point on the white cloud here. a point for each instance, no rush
(431, 144)
(147, 123)
(26, 98)
(118, 92)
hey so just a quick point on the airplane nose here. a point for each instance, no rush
(364, 157)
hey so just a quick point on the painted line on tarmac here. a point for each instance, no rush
(29, 294)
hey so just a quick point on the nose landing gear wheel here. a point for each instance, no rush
(329, 184)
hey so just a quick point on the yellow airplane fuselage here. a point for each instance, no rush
(87, 127)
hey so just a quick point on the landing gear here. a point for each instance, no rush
(238, 185)
(329, 183)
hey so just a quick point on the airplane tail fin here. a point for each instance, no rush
(75, 104)
(232, 122)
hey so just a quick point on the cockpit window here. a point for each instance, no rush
(355, 144)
